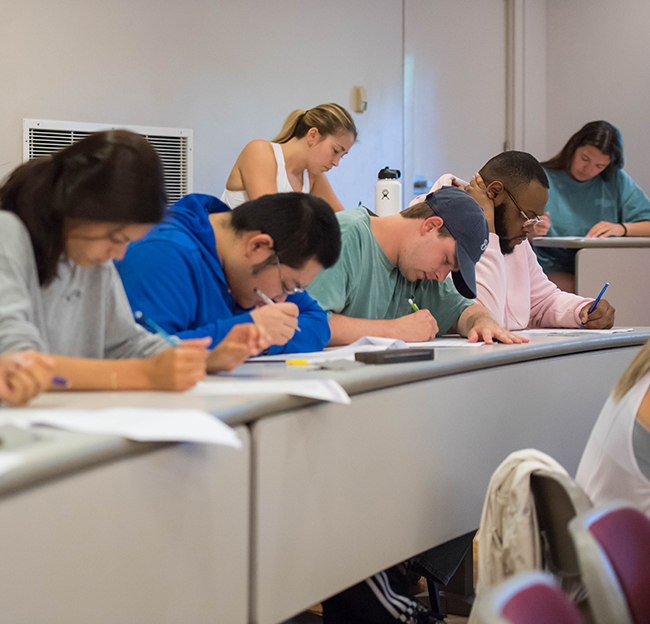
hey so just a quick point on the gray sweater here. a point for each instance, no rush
(83, 313)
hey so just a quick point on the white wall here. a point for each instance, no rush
(232, 71)
(599, 68)
(455, 86)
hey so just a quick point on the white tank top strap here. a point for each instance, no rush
(282, 180)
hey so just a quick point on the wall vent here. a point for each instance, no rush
(174, 146)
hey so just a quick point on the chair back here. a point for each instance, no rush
(530, 598)
(615, 540)
(613, 546)
(558, 499)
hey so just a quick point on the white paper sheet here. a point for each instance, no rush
(141, 424)
(322, 389)
(9, 460)
(365, 344)
(572, 332)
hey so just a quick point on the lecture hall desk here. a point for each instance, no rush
(98, 529)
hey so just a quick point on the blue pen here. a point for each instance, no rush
(595, 303)
(172, 340)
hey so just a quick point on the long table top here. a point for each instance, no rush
(582, 242)
(53, 453)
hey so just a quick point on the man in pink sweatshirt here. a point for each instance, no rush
(512, 190)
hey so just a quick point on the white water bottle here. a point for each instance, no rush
(388, 193)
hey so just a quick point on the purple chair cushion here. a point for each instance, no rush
(541, 604)
(624, 536)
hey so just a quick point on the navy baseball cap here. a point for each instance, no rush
(464, 219)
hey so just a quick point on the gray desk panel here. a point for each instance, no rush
(341, 492)
(628, 274)
(584, 242)
(154, 539)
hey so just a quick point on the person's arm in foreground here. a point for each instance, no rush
(477, 324)
(177, 368)
(416, 327)
(23, 376)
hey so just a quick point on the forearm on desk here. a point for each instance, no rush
(640, 228)
(471, 316)
(346, 330)
(87, 374)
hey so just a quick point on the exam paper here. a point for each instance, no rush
(322, 389)
(140, 424)
(365, 344)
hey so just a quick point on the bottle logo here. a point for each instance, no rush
(384, 194)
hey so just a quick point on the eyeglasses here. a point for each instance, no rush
(528, 220)
(285, 290)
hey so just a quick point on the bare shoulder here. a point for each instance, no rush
(258, 150)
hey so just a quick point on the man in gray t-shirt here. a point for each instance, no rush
(385, 261)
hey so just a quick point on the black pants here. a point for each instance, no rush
(388, 597)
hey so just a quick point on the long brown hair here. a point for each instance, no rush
(603, 136)
(114, 176)
(326, 118)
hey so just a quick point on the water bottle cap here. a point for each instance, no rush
(389, 174)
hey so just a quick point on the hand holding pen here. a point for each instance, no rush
(280, 320)
(179, 368)
(599, 314)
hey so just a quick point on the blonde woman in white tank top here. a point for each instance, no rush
(309, 145)
(615, 462)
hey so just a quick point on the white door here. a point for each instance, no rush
(455, 87)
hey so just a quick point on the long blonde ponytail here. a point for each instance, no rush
(326, 118)
(638, 369)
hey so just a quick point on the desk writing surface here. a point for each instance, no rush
(72, 451)
(236, 410)
(582, 242)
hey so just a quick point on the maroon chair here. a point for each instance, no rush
(613, 547)
(531, 598)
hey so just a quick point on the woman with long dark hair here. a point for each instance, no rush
(590, 195)
(63, 219)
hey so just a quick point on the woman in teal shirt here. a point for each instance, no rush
(590, 195)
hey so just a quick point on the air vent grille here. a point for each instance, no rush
(174, 147)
